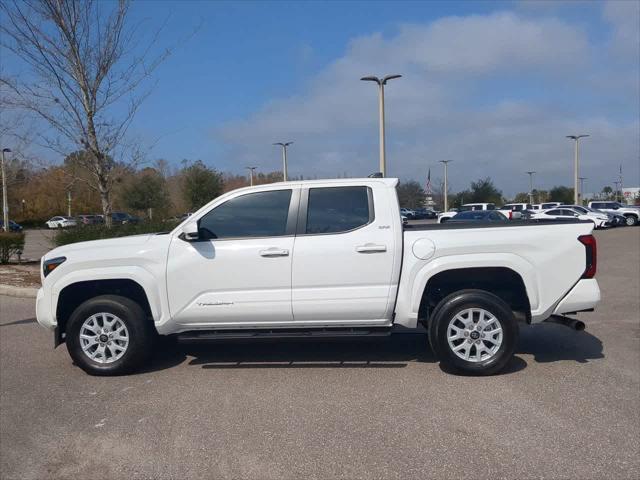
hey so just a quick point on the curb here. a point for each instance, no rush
(21, 292)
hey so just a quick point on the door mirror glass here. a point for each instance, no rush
(190, 231)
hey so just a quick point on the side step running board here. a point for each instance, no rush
(213, 335)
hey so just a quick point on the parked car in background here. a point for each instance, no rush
(490, 216)
(615, 220)
(121, 218)
(467, 207)
(630, 213)
(545, 206)
(599, 220)
(13, 226)
(407, 212)
(424, 214)
(61, 222)
(86, 219)
(514, 210)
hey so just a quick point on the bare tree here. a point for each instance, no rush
(89, 68)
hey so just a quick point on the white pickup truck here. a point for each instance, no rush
(325, 258)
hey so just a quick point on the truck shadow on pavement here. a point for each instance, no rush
(546, 343)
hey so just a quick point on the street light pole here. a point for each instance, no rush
(381, 83)
(531, 186)
(5, 202)
(251, 169)
(582, 179)
(576, 195)
(284, 146)
(446, 179)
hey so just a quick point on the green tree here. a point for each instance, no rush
(200, 184)
(411, 194)
(482, 191)
(147, 191)
(521, 197)
(561, 194)
(607, 191)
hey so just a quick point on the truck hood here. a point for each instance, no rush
(108, 243)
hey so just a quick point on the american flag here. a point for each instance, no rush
(429, 182)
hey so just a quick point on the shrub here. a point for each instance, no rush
(10, 244)
(99, 232)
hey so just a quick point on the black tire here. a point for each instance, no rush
(457, 302)
(141, 335)
(632, 221)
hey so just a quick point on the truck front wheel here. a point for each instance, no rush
(109, 335)
(473, 331)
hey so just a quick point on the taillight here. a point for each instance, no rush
(589, 242)
(510, 214)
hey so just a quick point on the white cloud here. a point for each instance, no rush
(449, 105)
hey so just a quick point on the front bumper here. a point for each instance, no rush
(585, 295)
(44, 314)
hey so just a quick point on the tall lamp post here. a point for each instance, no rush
(5, 202)
(618, 184)
(582, 179)
(284, 146)
(576, 195)
(381, 83)
(251, 169)
(530, 185)
(446, 179)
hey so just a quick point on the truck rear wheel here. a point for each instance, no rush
(109, 335)
(473, 331)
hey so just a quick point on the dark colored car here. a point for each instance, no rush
(489, 216)
(13, 226)
(424, 213)
(90, 219)
(120, 218)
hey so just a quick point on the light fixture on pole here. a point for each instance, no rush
(251, 169)
(530, 185)
(5, 202)
(446, 179)
(582, 179)
(381, 83)
(576, 195)
(284, 146)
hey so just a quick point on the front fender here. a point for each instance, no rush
(153, 289)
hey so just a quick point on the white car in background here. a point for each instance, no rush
(467, 207)
(514, 210)
(630, 213)
(61, 222)
(599, 220)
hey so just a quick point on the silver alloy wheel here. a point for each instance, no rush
(630, 221)
(474, 335)
(104, 337)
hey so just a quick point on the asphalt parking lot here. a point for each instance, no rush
(568, 405)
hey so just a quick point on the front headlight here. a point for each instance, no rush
(50, 265)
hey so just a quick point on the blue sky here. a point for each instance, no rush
(495, 86)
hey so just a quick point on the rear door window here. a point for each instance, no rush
(338, 209)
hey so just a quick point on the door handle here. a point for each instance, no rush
(274, 252)
(371, 248)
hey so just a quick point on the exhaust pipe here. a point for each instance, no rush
(572, 323)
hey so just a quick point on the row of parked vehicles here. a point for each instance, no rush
(601, 214)
(117, 218)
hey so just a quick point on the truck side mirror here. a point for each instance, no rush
(190, 231)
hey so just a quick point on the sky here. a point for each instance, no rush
(493, 86)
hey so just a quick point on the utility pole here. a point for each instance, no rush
(582, 179)
(575, 138)
(446, 191)
(284, 146)
(5, 202)
(530, 185)
(381, 83)
(251, 169)
(618, 187)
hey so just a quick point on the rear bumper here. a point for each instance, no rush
(585, 295)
